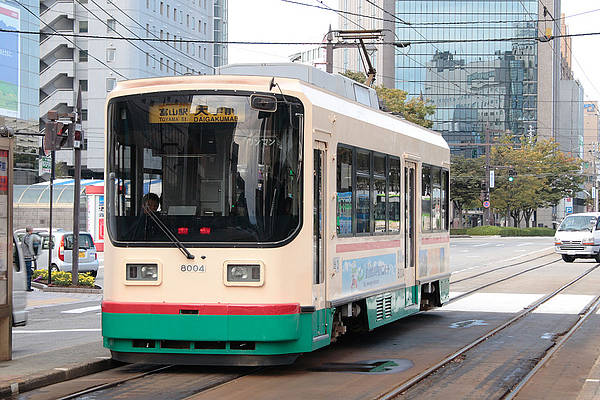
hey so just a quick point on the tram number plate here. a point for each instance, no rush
(192, 268)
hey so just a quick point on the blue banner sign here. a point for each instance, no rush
(9, 61)
(368, 272)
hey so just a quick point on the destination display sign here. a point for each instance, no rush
(181, 114)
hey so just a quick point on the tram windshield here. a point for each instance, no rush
(209, 166)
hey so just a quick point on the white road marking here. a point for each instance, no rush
(524, 244)
(468, 323)
(592, 380)
(58, 330)
(514, 302)
(565, 304)
(493, 302)
(482, 244)
(474, 256)
(500, 245)
(82, 310)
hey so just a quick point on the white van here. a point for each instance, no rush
(19, 291)
(578, 236)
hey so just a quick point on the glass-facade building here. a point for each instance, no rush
(478, 87)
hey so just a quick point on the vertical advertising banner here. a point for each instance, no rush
(9, 61)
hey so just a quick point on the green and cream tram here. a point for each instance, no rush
(256, 214)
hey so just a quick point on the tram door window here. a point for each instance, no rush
(344, 191)
(393, 201)
(409, 215)
(318, 248)
(426, 198)
(379, 196)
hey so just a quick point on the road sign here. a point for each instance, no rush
(568, 210)
(45, 165)
(486, 204)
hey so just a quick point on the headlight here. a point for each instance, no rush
(142, 272)
(589, 241)
(243, 273)
(557, 241)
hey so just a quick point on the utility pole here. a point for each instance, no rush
(77, 138)
(486, 210)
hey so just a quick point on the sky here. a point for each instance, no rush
(279, 21)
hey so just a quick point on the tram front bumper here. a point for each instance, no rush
(207, 328)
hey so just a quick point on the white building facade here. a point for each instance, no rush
(114, 41)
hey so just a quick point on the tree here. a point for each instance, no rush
(542, 176)
(415, 110)
(465, 183)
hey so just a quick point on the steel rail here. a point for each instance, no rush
(499, 268)
(418, 378)
(115, 383)
(591, 309)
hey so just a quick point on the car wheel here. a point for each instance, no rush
(54, 268)
(94, 273)
(597, 257)
(568, 259)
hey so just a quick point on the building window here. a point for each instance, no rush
(83, 55)
(83, 85)
(111, 25)
(147, 30)
(168, 11)
(147, 3)
(161, 63)
(147, 59)
(175, 14)
(168, 66)
(83, 26)
(187, 20)
(181, 17)
(110, 54)
(204, 53)
(193, 23)
(162, 6)
(161, 34)
(174, 68)
(110, 84)
(84, 114)
(205, 28)
(199, 26)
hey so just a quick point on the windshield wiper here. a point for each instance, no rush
(169, 234)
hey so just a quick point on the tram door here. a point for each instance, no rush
(319, 222)
(410, 213)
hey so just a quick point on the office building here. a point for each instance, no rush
(487, 66)
(19, 83)
(99, 55)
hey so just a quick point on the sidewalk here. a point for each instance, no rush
(37, 370)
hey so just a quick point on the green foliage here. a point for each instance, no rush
(62, 278)
(458, 231)
(466, 175)
(415, 110)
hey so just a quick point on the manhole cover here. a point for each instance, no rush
(389, 366)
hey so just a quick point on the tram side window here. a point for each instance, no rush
(394, 195)
(426, 198)
(363, 191)
(344, 191)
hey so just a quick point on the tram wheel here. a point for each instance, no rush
(569, 259)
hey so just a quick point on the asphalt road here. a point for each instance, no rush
(61, 320)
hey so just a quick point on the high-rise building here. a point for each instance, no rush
(19, 83)
(487, 65)
(99, 54)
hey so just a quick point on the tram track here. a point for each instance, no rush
(590, 309)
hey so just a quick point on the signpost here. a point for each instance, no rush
(568, 205)
(45, 165)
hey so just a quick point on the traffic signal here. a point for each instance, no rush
(57, 135)
(511, 175)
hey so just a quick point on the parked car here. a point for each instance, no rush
(62, 252)
(19, 287)
(578, 236)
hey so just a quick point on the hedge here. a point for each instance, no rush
(502, 231)
(62, 278)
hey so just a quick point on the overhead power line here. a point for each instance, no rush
(242, 42)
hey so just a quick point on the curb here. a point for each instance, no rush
(46, 288)
(56, 376)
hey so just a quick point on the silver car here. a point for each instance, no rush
(62, 252)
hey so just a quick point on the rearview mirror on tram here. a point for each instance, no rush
(263, 103)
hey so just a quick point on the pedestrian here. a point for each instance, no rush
(28, 254)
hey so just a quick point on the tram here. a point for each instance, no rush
(260, 213)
